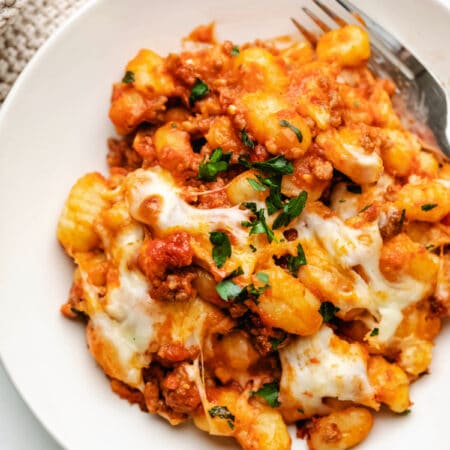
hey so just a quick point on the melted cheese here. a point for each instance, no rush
(349, 248)
(132, 321)
(174, 212)
(321, 366)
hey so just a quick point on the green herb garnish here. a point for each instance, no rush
(291, 210)
(234, 51)
(375, 332)
(294, 262)
(258, 225)
(228, 290)
(429, 246)
(278, 165)
(245, 138)
(365, 208)
(262, 277)
(328, 311)
(269, 392)
(128, 77)
(223, 413)
(276, 342)
(255, 185)
(428, 206)
(218, 162)
(298, 133)
(198, 91)
(221, 247)
(401, 221)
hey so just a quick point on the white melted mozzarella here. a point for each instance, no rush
(313, 368)
(174, 212)
(130, 317)
(349, 247)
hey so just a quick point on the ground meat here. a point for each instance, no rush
(168, 354)
(263, 337)
(126, 392)
(159, 255)
(180, 393)
(121, 154)
(176, 286)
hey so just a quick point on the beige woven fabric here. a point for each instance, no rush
(24, 27)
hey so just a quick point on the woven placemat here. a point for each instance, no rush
(24, 27)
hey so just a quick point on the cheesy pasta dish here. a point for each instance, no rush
(270, 246)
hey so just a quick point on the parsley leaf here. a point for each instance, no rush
(328, 311)
(262, 277)
(294, 262)
(258, 225)
(269, 392)
(365, 208)
(228, 290)
(218, 162)
(234, 51)
(198, 91)
(375, 332)
(278, 165)
(276, 342)
(223, 413)
(128, 77)
(298, 133)
(221, 247)
(291, 210)
(255, 185)
(245, 138)
(354, 188)
(428, 206)
(400, 223)
(274, 200)
(429, 246)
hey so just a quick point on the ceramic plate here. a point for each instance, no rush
(53, 129)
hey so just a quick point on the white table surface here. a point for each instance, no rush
(19, 429)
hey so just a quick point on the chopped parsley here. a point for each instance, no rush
(428, 206)
(276, 342)
(365, 208)
(234, 51)
(401, 221)
(255, 185)
(291, 209)
(258, 225)
(198, 91)
(128, 77)
(354, 188)
(294, 262)
(218, 162)
(228, 290)
(294, 129)
(269, 392)
(274, 201)
(245, 138)
(263, 277)
(429, 246)
(223, 413)
(375, 332)
(328, 311)
(278, 165)
(221, 247)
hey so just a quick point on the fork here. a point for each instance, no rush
(419, 96)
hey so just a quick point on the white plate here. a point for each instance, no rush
(53, 128)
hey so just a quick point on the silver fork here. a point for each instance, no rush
(419, 96)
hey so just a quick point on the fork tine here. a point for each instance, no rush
(322, 25)
(307, 34)
(341, 22)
